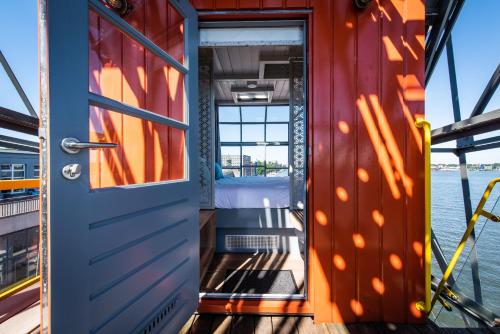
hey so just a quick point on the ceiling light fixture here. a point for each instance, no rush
(258, 94)
(252, 84)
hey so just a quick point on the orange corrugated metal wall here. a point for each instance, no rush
(366, 166)
(366, 171)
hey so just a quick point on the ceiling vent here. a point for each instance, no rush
(274, 68)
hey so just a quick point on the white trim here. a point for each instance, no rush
(251, 36)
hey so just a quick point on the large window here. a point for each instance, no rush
(13, 172)
(254, 140)
(18, 256)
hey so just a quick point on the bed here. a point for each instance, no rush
(253, 214)
(252, 192)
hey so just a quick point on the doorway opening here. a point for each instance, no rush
(252, 100)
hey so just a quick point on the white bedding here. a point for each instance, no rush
(252, 192)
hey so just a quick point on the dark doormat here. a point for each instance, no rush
(259, 281)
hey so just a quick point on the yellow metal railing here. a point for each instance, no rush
(19, 286)
(470, 227)
(425, 306)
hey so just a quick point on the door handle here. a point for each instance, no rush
(73, 145)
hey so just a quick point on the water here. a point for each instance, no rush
(448, 223)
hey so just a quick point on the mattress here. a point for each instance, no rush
(252, 192)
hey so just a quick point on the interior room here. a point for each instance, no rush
(252, 161)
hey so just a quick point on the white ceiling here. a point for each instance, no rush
(234, 66)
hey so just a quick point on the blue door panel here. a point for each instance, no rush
(105, 238)
(132, 308)
(121, 259)
(118, 289)
(102, 273)
(135, 313)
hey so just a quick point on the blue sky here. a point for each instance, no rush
(477, 53)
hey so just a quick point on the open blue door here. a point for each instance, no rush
(119, 165)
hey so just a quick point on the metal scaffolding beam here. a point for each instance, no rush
(479, 124)
(16, 121)
(488, 92)
(18, 144)
(17, 85)
(440, 25)
(462, 141)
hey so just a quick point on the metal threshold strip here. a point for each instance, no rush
(255, 296)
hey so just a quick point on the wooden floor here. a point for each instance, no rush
(216, 274)
(248, 324)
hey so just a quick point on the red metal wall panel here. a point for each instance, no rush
(366, 167)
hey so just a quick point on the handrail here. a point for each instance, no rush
(19, 184)
(426, 305)
(19, 286)
(470, 227)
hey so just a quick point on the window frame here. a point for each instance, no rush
(264, 143)
(11, 176)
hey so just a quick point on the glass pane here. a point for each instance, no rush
(253, 114)
(18, 167)
(146, 152)
(276, 132)
(231, 172)
(229, 114)
(253, 133)
(19, 242)
(277, 156)
(254, 155)
(123, 70)
(230, 156)
(5, 167)
(277, 172)
(278, 113)
(229, 133)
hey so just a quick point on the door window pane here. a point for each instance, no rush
(253, 114)
(229, 133)
(146, 152)
(229, 114)
(253, 133)
(230, 156)
(278, 113)
(123, 70)
(277, 156)
(277, 132)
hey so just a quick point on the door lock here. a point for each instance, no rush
(72, 171)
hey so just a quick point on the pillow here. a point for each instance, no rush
(218, 172)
